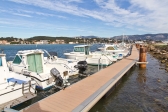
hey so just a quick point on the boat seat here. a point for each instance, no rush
(18, 81)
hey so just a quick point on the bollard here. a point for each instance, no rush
(142, 56)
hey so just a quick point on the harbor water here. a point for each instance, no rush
(141, 90)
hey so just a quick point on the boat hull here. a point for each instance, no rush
(70, 56)
(42, 83)
(13, 93)
(98, 61)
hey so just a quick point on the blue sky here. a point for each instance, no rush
(102, 18)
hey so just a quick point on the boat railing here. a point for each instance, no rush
(107, 57)
(99, 63)
(46, 52)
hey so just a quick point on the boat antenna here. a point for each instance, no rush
(123, 38)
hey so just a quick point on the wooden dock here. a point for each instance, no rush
(83, 95)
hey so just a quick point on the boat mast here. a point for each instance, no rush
(123, 39)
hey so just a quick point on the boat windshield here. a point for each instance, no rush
(110, 48)
(17, 59)
(87, 49)
(115, 48)
(79, 49)
(0, 61)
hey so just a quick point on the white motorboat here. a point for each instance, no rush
(99, 59)
(110, 48)
(69, 65)
(31, 63)
(79, 50)
(115, 55)
(82, 52)
(14, 88)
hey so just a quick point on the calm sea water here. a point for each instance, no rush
(140, 91)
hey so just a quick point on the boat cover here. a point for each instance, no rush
(18, 81)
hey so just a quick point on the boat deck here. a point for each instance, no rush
(83, 95)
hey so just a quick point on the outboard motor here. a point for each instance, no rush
(57, 78)
(82, 66)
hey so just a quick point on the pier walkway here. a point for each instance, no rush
(83, 95)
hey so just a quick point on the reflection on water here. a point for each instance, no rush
(143, 90)
(141, 78)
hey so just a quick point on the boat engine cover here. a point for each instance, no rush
(55, 72)
(58, 78)
(82, 64)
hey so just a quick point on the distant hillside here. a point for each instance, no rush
(51, 39)
(87, 37)
(81, 39)
(156, 37)
(38, 38)
(9, 39)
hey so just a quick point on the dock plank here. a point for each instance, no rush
(83, 94)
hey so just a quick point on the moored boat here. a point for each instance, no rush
(14, 88)
(31, 63)
(82, 52)
(110, 48)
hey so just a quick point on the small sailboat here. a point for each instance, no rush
(14, 88)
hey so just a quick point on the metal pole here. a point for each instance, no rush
(98, 63)
(102, 65)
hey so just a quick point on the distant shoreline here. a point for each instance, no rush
(42, 44)
(37, 44)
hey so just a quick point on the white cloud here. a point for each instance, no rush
(24, 15)
(148, 14)
(24, 24)
(35, 12)
(28, 13)
(78, 1)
